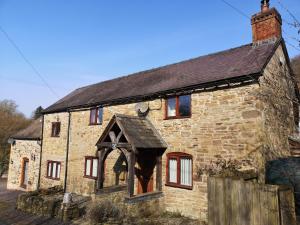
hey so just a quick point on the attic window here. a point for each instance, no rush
(178, 107)
(55, 129)
(96, 116)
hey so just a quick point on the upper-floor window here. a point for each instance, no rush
(53, 170)
(178, 107)
(179, 170)
(96, 116)
(55, 129)
(91, 167)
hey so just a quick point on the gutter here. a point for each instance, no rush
(208, 86)
(67, 153)
(41, 151)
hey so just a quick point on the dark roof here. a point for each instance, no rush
(138, 131)
(32, 132)
(233, 63)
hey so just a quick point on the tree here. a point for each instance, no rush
(11, 121)
(37, 112)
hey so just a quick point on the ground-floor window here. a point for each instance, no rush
(179, 170)
(91, 167)
(53, 170)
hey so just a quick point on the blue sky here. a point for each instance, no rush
(74, 43)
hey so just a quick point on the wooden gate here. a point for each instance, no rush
(237, 202)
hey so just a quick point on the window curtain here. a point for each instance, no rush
(186, 172)
(95, 167)
(173, 170)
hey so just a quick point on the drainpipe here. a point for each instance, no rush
(41, 150)
(67, 153)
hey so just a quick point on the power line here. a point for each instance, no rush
(236, 9)
(27, 61)
(248, 17)
(293, 46)
(297, 23)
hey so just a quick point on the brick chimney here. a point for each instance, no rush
(266, 25)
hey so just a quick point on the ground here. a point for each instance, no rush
(10, 216)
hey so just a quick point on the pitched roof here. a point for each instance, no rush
(233, 63)
(138, 131)
(32, 132)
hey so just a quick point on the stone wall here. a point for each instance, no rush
(29, 149)
(227, 123)
(277, 96)
(54, 148)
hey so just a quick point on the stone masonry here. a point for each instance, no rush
(234, 123)
(29, 149)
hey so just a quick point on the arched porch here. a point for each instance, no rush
(142, 147)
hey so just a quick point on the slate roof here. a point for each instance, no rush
(233, 63)
(32, 132)
(139, 131)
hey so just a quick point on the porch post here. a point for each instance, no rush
(100, 170)
(159, 173)
(131, 173)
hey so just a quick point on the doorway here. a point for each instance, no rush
(24, 174)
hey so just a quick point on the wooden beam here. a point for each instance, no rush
(112, 145)
(100, 169)
(159, 173)
(112, 136)
(119, 136)
(131, 173)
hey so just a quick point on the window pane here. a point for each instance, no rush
(95, 167)
(49, 169)
(57, 129)
(58, 170)
(93, 116)
(54, 170)
(173, 170)
(100, 115)
(171, 107)
(186, 172)
(88, 167)
(185, 105)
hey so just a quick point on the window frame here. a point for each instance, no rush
(96, 116)
(91, 168)
(177, 116)
(178, 156)
(56, 170)
(55, 124)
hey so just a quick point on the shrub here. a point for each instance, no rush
(103, 211)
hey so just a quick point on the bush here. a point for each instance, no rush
(103, 211)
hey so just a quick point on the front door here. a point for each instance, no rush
(24, 179)
(145, 185)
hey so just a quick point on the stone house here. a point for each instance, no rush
(150, 133)
(24, 162)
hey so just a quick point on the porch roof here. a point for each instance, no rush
(138, 131)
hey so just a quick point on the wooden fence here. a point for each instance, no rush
(239, 202)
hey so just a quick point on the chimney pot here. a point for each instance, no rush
(265, 5)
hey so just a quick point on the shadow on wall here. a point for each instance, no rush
(286, 172)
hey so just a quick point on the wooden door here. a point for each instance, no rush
(24, 178)
(145, 185)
